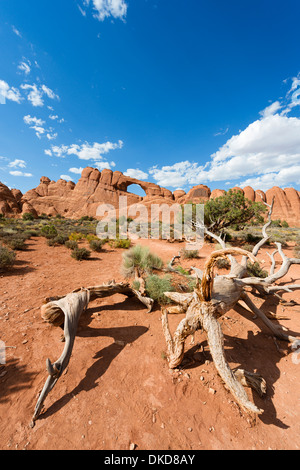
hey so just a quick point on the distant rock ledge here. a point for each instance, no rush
(94, 188)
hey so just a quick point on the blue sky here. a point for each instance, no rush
(177, 92)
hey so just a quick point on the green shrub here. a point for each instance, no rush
(28, 216)
(49, 231)
(255, 270)
(223, 263)
(156, 287)
(76, 236)
(61, 239)
(248, 247)
(190, 254)
(181, 270)
(250, 237)
(97, 245)
(80, 254)
(7, 257)
(16, 242)
(32, 233)
(140, 257)
(71, 244)
(121, 243)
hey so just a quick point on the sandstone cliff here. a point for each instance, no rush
(94, 188)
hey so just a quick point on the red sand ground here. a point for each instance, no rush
(118, 389)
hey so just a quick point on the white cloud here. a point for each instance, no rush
(50, 93)
(38, 126)
(137, 174)
(9, 93)
(25, 67)
(51, 136)
(222, 132)
(66, 177)
(105, 8)
(16, 31)
(33, 120)
(270, 146)
(271, 110)
(282, 179)
(104, 165)
(180, 174)
(76, 171)
(20, 173)
(48, 152)
(87, 151)
(17, 164)
(35, 94)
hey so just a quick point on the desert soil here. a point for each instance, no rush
(118, 389)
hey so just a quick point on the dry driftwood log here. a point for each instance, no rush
(212, 298)
(65, 312)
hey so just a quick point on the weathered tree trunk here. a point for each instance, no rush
(212, 298)
(65, 312)
(72, 306)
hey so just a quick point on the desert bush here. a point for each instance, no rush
(60, 239)
(80, 254)
(140, 257)
(223, 263)
(32, 233)
(7, 257)
(49, 231)
(181, 270)
(248, 247)
(28, 216)
(91, 236)
(76, 236)
(71, 244)
(16, 242)
(251, 238)
(190, 254)
(97, 245)
(156, 287)
(255, 270)
(121, 243)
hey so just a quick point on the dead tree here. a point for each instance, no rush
(65, 312)
(216, 295)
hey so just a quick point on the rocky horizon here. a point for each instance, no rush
(97, 187)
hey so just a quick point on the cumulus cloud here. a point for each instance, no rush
(76, 171)
(9, 93)
(137, 174)
(87, 151)
(20, 173)
(104, 165)
(105, 8)
(266, 153)
(17, 164)
(66, 177)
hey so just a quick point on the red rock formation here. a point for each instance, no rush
(217, 193)
(9, 204)
(199, 193)
(95, 188)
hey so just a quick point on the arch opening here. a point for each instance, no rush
(136, 189)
